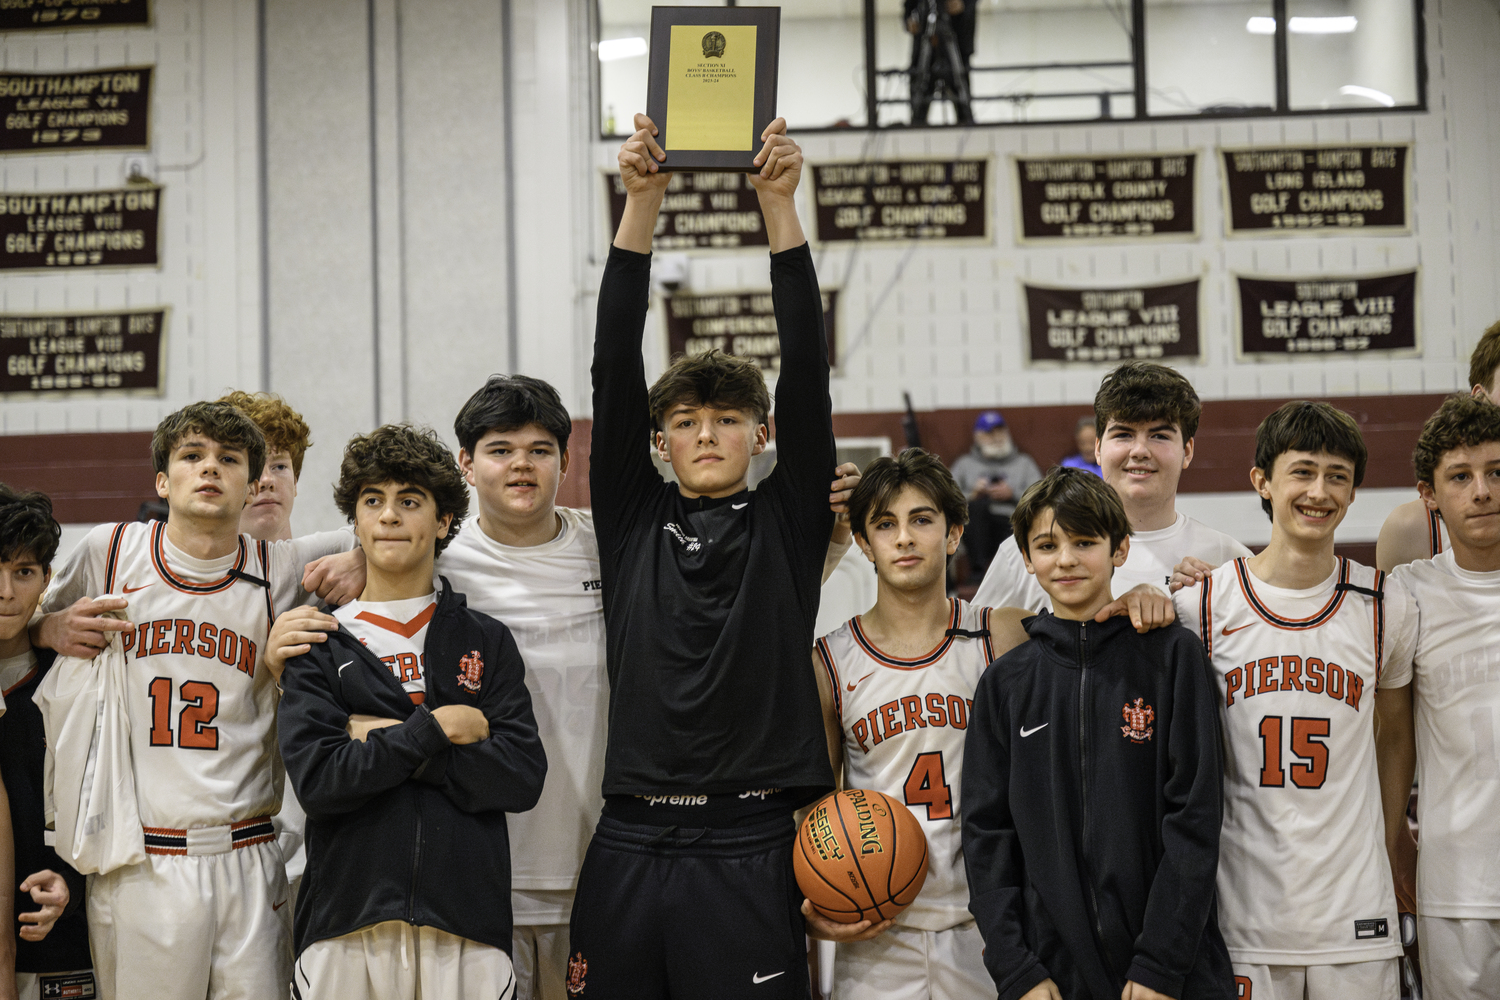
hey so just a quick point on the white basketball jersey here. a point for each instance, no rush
(1303, 874)
(396, 632)
(1457, 696)
(550, 598)
(904, 723)
(202, 707)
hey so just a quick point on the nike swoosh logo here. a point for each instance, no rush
(1232, 631)
(758, 978)
(1027, 732)
(277, 906)
(850, 687)
(131, 590)
(342, 666)
(737, 506)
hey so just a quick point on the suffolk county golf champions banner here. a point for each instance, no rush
(1063, 199)
(1093, 325)
(1281, 316)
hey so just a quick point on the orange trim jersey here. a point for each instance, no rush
(904, 723)
(1437, 535)
(1303, 874)
(202, 707)
(396, 632)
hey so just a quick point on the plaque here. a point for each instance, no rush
(946, 200)
(1107, 325)
(69, 352)
(738, 323)
(73, 229)
(46, 15)
(711, 84)
(1321, 316)
(1303, 190)
(76, 109)
(1066, 199)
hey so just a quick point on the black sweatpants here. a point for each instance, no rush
(681, 914)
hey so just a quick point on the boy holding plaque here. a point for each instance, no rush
(710, 595)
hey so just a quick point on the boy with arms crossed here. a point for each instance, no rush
(1146, 415)
(408, 735)
(202, 712)
(1415, 530)
(1456, 688)
(1313, 657)
(1092, 845)
(896, 684)
(710, 594)
(47, 954)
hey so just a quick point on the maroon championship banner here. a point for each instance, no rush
(1295, 191)
(929, 200)
(48, 15)
(1281, 316)
(83, 351)
(1094, 325)
(699, 212)
(738, 323)
(92, 109)
(1063, 199)
(113, 228)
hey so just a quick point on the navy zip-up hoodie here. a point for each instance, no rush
(406, 825)
(1092, 802)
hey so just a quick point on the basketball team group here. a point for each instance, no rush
(558, 754)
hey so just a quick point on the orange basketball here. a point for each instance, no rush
(860, 856)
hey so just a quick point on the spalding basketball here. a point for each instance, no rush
(860, 856)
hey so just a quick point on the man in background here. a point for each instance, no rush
(993, 474)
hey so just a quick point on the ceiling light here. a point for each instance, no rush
(621, 48)
(1304, 25)
(1379, 97)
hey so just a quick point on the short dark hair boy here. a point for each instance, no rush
(54, 938)
(883, 479)
(1304, 425)
(225, 423)
(1128, 894)
(1137, 391)
(507, 403)
(407, 735)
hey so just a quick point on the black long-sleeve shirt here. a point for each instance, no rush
(1092, 802)
(710, 604)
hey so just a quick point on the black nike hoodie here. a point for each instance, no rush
(1092, 802)
(406, 825)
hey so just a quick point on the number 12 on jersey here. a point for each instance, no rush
(200, 705)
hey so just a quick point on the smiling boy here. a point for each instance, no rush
(1312, 653)
(1456, 687)
(1147, 416)
(408, 735)
(202, 713)
(710, 595)
(1092, 781)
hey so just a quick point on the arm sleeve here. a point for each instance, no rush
(620, 469)
(805, 455)
(330, 772)
(1183, 890)
(290, 558)
(1006, 583)
(992, 851)
(503, 773)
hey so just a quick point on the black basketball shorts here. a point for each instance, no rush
(667, 912)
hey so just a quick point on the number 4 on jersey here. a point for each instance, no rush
(926, 786)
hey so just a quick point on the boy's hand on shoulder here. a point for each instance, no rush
(780, 162)
(640, 162)
(81, 629)
(1047, 990)
(337, 579)
(1135, 991)
(50, 891)
(1189, 572)
(820, 928)
(1147, 607)
(293, 634)
(359, 727)
(462, 724)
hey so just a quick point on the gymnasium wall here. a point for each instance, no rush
(339, 222)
